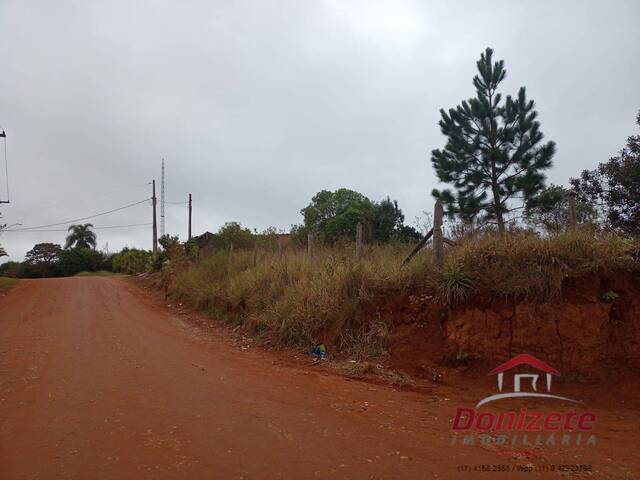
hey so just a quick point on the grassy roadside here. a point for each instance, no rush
(335, 298)
(7, 283)
(98, 273)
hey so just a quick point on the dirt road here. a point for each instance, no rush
(99, 381)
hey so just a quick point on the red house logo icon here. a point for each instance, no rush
(524, 359)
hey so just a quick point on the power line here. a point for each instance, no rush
(68, 202)
(94, 228)
(81, 218)
(123, 226)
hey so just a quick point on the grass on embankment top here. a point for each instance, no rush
(6, 283)
(335, 296)
(98, 273)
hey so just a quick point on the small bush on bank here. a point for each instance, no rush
(131, 261)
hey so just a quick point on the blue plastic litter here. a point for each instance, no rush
(319, 351)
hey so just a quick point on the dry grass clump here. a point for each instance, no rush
(526, 266)
(333, 297)
(360, 370)
(302, 301)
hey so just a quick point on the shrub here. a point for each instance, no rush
(76, 260)
(10, 269)
(131, 261)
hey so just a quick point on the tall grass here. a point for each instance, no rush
(297, 300)
(333, 298)
(528, 267)
(7, 283)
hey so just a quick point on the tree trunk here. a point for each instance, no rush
(497, 206)
(500, 220)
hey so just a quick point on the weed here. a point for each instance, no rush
(609, 296)
(7, 283)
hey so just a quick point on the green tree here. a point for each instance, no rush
(81, 236)
(387, 219)
(131, 260)
(44, 253)
(493, 151)
(234, 233)
(388, 223)
(336, 214)
(10, 269)
(74, 260)
(168, 242)
(615, 185)
(550, 209)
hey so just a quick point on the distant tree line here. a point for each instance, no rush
(79, 255)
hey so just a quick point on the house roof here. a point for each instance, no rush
(526, 359)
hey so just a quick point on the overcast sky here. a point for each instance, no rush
(257, 105)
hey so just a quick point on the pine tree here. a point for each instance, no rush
(493, 152)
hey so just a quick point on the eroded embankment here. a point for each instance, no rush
(591, 330)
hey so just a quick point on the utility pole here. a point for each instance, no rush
(3, 135)
(189, 216)
(162, 201)
(155, 225)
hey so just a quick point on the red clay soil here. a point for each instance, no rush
(98, 380)
(591, 332)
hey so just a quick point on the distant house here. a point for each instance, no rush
(204, 239)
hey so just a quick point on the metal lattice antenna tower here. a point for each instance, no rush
(162, 201)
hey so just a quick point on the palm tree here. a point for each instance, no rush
(81, 236)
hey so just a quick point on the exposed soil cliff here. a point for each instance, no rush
(592, 330)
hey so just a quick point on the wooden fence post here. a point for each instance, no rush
(280, 253)
(573, 215)
(255, 252)
(310, 246)
(230, 254)
(438, 242)
(359, 241)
